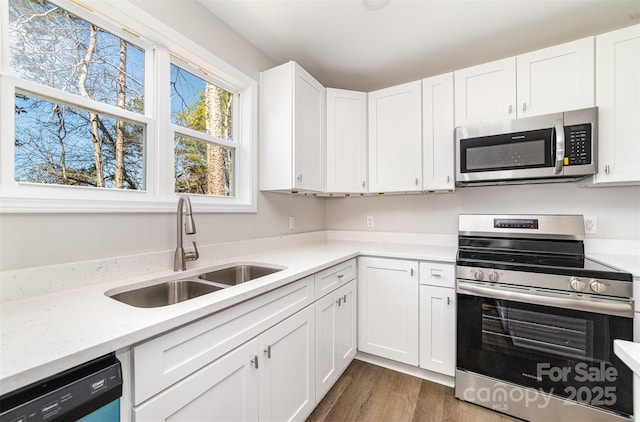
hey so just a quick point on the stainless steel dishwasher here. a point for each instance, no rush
(88, 392)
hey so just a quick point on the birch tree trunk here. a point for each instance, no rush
(119, 147)
(60, 133)
(93, 117)
(214, 126)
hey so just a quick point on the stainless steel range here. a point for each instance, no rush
(537, 319)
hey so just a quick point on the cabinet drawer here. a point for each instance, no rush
(334, 277)
(437, 274)
(163, 361)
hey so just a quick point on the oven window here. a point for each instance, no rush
(514, 155)
(505, 328)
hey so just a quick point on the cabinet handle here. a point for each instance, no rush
(300, 178)
(510, 109)
(344, 299)
(363, 184)
(254, 361)
(267, 351)
(448, 300)
(412, 272)
(606, 169)
(448, 179)
(417, 181)
(339, 302)
(524, 106)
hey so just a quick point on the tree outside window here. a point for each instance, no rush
(60, 144)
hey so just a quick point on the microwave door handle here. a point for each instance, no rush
(559, 129)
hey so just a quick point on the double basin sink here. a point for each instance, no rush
(175, 291)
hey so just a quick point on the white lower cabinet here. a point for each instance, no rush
(438, 318)
(287, 378)
(260, 360)
(388, 308)
(270, 378)
(336, 341)
(437, 329)
(224, 390)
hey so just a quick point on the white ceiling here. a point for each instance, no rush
(344, 45)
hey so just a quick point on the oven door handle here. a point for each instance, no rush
(621, 308)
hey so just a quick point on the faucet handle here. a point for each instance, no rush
(192, 256)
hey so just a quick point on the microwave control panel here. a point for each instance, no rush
(577, 150)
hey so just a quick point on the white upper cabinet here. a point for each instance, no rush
(485, 92)
(292, 130)
(553, 79)
(618, 100)
(346, 141)
(437, 133)
(395, 138)
(557, 78)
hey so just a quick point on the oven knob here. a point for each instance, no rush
(577, 284)
(494, 276)
(479, 275)
(598, 286)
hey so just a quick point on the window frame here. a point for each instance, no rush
(162, 45)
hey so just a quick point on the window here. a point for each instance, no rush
(84, 124)
(204, 161)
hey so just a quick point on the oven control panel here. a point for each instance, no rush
(577, 284)
(515, 223)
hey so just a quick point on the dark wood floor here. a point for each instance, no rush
(367, 392)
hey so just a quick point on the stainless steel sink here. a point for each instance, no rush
(238, 274)
(163, 294)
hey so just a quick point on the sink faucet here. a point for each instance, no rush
(181, 257)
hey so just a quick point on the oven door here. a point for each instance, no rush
(564, 352)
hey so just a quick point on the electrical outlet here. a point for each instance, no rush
(292, 223)
(591, 224)
(369, 221)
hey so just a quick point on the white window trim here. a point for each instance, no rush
(160, 41)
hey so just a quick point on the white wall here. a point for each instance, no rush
(617, 208)
(37, 239)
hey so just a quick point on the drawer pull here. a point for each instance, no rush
(340, 276)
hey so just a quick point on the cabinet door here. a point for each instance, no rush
(346, 328)
(395, 139)
(309, 131)
(618, 94)
(438, 329)
(437, 133)
(486, 92)
(388, 308)
(346, 141)
(225, 390)
(556, 79)
(336, 344)
(287, 378)
(326, 344)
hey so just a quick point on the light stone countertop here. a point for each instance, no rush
(629, 353)
(45, 334)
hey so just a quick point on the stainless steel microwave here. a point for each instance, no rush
(549, 148)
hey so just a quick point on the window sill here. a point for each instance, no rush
(18, 205)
